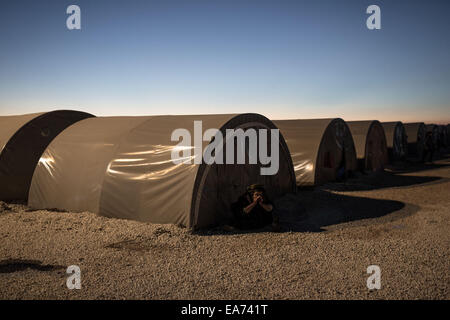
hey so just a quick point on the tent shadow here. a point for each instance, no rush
(415, 166)
(15, 265)
(312, 211)
(411, 167)
(381, 180)
(323, 209)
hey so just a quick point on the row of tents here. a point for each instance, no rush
(121, 166)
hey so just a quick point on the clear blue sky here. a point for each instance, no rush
(284, 59)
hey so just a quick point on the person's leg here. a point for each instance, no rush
(266, 218)
(275, 222)
(246, 222)
(234, 221)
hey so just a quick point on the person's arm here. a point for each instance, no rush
(266, 206)
(250, 207)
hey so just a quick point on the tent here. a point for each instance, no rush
(322, 150)
(370, 144)
(416, 139)
(396, 140)
(434, 130)
(448, 135)
(23, 139)
(122, 167)
(443, 136)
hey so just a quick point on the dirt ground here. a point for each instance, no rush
(398, 220)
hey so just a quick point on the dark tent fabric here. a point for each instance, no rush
(370, 144)
(434, 130)
(396, 140)
(443, 136)
(23, 139)
(122, 167)
(416, 140)
(322, 150)
(448, 135)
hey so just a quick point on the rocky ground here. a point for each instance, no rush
(398, 220)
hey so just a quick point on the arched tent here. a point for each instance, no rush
(370, 144)
(416, 139)
(23, 139)
(448, 135)
(435, 136)
(122, 167)
(396, 140)
(443, 136)
(322, 150)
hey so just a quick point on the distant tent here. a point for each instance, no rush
(23, 139)
(416, 139)
(434, 130)
(122, 167)
(396, 140)
(448, 135)
(370, 144)
(322, 150)
(443, 136)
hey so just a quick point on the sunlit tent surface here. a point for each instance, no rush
(416, 139)
(370, 144)
(321, 149)
(122, 167)
(396, 140)
(23, 139)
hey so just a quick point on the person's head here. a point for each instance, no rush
(256, 190)
(257, 194)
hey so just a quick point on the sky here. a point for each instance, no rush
(283, 59)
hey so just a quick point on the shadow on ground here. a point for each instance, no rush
(312, 211)
(11, 266)
(410, 167)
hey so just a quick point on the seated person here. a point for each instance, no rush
(253, 209)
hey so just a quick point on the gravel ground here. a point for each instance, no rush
(399, 222)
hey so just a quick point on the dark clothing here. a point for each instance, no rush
(256, 218)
